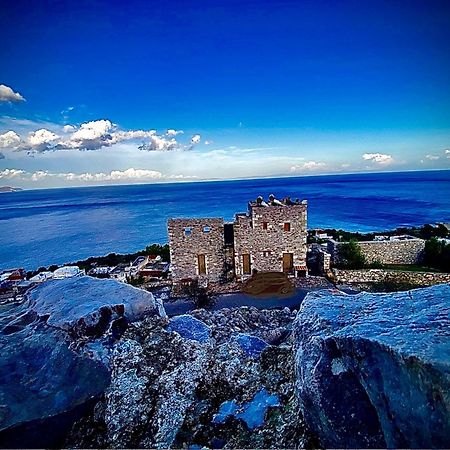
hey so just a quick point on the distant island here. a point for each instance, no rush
(10, 189)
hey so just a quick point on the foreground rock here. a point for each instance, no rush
(87, 305)
(373, 370)
(55, 347)
(214, 379)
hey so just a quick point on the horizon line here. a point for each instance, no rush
(223, 180)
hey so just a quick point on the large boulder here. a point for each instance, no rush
(373, 370)
(87, 305)
(52, 352)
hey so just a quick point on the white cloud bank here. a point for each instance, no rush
(8, 95)
(93, 135)
(307, 166)
(115, 176)
(378, 158)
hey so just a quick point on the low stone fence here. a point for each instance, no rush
(408, 251)
(394, 276)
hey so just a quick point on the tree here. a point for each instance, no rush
(437, 254)
(351, 255)
(200, 296)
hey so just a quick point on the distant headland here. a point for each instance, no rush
(9, 189)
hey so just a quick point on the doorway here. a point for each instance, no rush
(288, 262)
(201, 264)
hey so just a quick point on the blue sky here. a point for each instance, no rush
(247, 88)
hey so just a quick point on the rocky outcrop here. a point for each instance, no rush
(55, 348)
(212, 379)
(373, 370)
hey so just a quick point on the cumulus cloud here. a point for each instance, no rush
(92, 135)
(172, 132)
(10, 139)
(432, 157)
(208, 142)
(8, 95)
(161, 144)
(8, 174)
(41, 140)
(379, 158)
(68, 128)
(307, 165)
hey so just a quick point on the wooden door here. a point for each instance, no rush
(246, 264)
(201, 264)
(288, 262)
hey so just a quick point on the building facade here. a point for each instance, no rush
(197, 249)
(268, 237)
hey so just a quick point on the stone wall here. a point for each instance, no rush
(185, 248)
(394, 276)
(266, 246)
(386, 252)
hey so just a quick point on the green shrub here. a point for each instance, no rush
(351, 255)
(376, 265)
(437, 254)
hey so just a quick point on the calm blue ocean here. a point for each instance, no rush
(42, 227)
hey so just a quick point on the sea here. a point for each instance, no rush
(57, 226)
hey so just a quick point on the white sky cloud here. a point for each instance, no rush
(379, 158)
(8, 95)
(432, 157)
(308, 165)
(172, 132)
(121, 176)
(10, 139)
(91, 135)
(8, 174)
(254, 154)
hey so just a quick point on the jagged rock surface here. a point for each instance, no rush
(53, 347)
(167, 386)
(374, 369)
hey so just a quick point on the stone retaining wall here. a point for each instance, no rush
(386, 252)
(395, 276)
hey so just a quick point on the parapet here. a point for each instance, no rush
(273, 201)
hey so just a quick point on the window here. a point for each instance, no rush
(187, 231)
(206, 229)
(287, 226)
(264, 225)
(201, 264)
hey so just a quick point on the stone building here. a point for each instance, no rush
(197, 248)
(270, 236)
